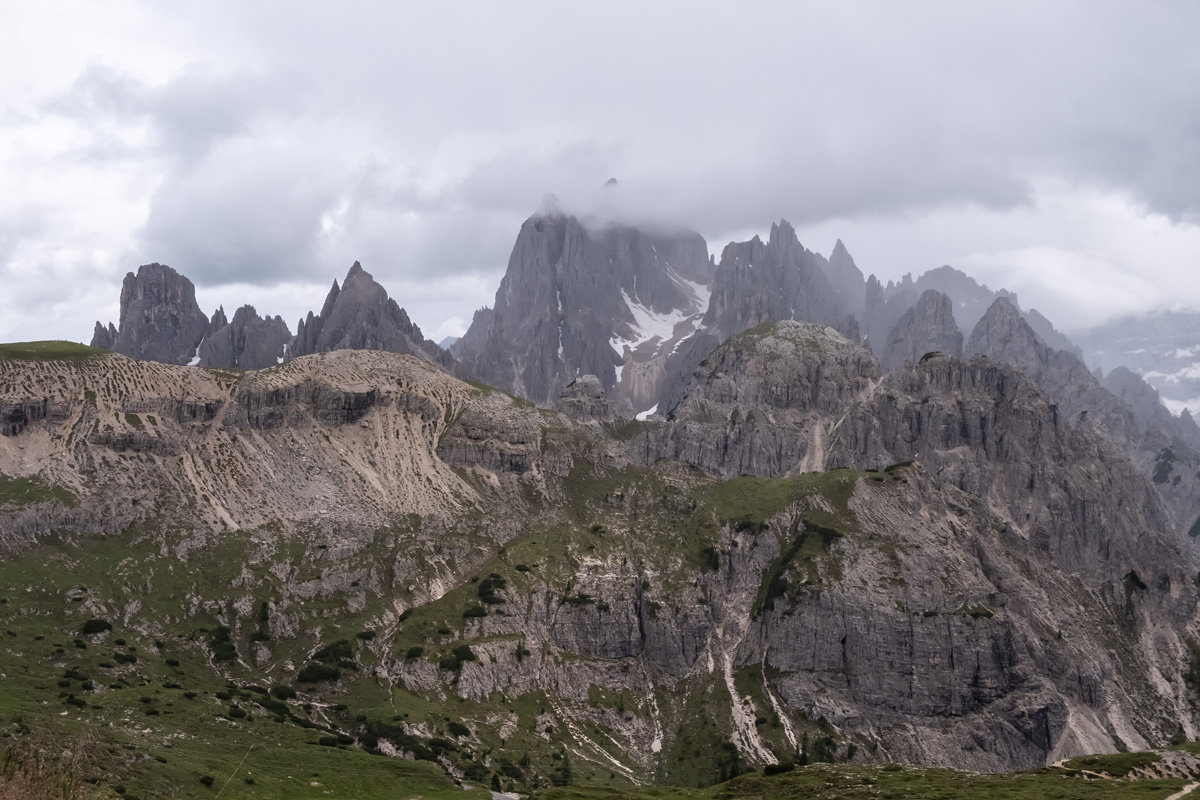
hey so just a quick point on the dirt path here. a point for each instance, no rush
(1185, 791)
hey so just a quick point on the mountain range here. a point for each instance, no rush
(655, 517)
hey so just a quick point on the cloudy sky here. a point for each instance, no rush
(260, 148)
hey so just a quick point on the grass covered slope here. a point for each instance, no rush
(54, 350)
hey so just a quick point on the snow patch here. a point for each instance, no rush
(641, 415)
(196, 356)
(647, 325)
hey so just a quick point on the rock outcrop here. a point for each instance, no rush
(885, 304)
(160, 319)
(249, 342)
(758, 282)
(779, 279)
(1166, 447)
(359, 315)
(584, 400)
(762, 402)
(927, 327)
(104, 338)
(612, 302)
(1003, 335)
(847, 281)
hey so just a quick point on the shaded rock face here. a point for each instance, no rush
(847, 281)
(584, 400)
(160, 319)
(759, 282)
(1125, 407)
(986, 429)
(759, 404)
(1168, 449)
(249, 342)
(926, 327)
(780, 279)
(104, 338)
(886, 304)
(1003, 335)
(576, 301)
(359, 315)
(17, 416)
(1045, 329)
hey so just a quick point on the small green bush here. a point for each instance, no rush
(96, 626)
(335, 651)
(315, 672)
(282, 691)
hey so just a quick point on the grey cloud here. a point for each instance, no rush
(289, 141)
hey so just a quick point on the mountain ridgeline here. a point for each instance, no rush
(654, 518)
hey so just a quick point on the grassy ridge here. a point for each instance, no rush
(54, 350)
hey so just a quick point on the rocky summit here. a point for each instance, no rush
(578, 299)
(160, 319)
(658, 519)
(359, 315)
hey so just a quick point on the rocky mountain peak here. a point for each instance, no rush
(757, 282)
(249, 342)
(610, 301)
(1002, 334)
(104, 337)
(359, 315)
(160, 319)
(928, 326)
(847, 280)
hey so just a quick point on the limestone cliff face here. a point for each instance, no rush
(359, 315)
(584, 400)
(885, 304)
(758, 282)
(1003, 335)
(249, 342)
(927, 327)
(779, 279)
(762, 402)
(847, 281)
(160, 320)
(612, 302)
(1164, 446)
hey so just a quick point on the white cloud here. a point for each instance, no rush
(274, 144)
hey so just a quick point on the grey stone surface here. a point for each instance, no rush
(927, 327)
(160, 319)
(247, 342)
(359, 315)
(565, 298)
